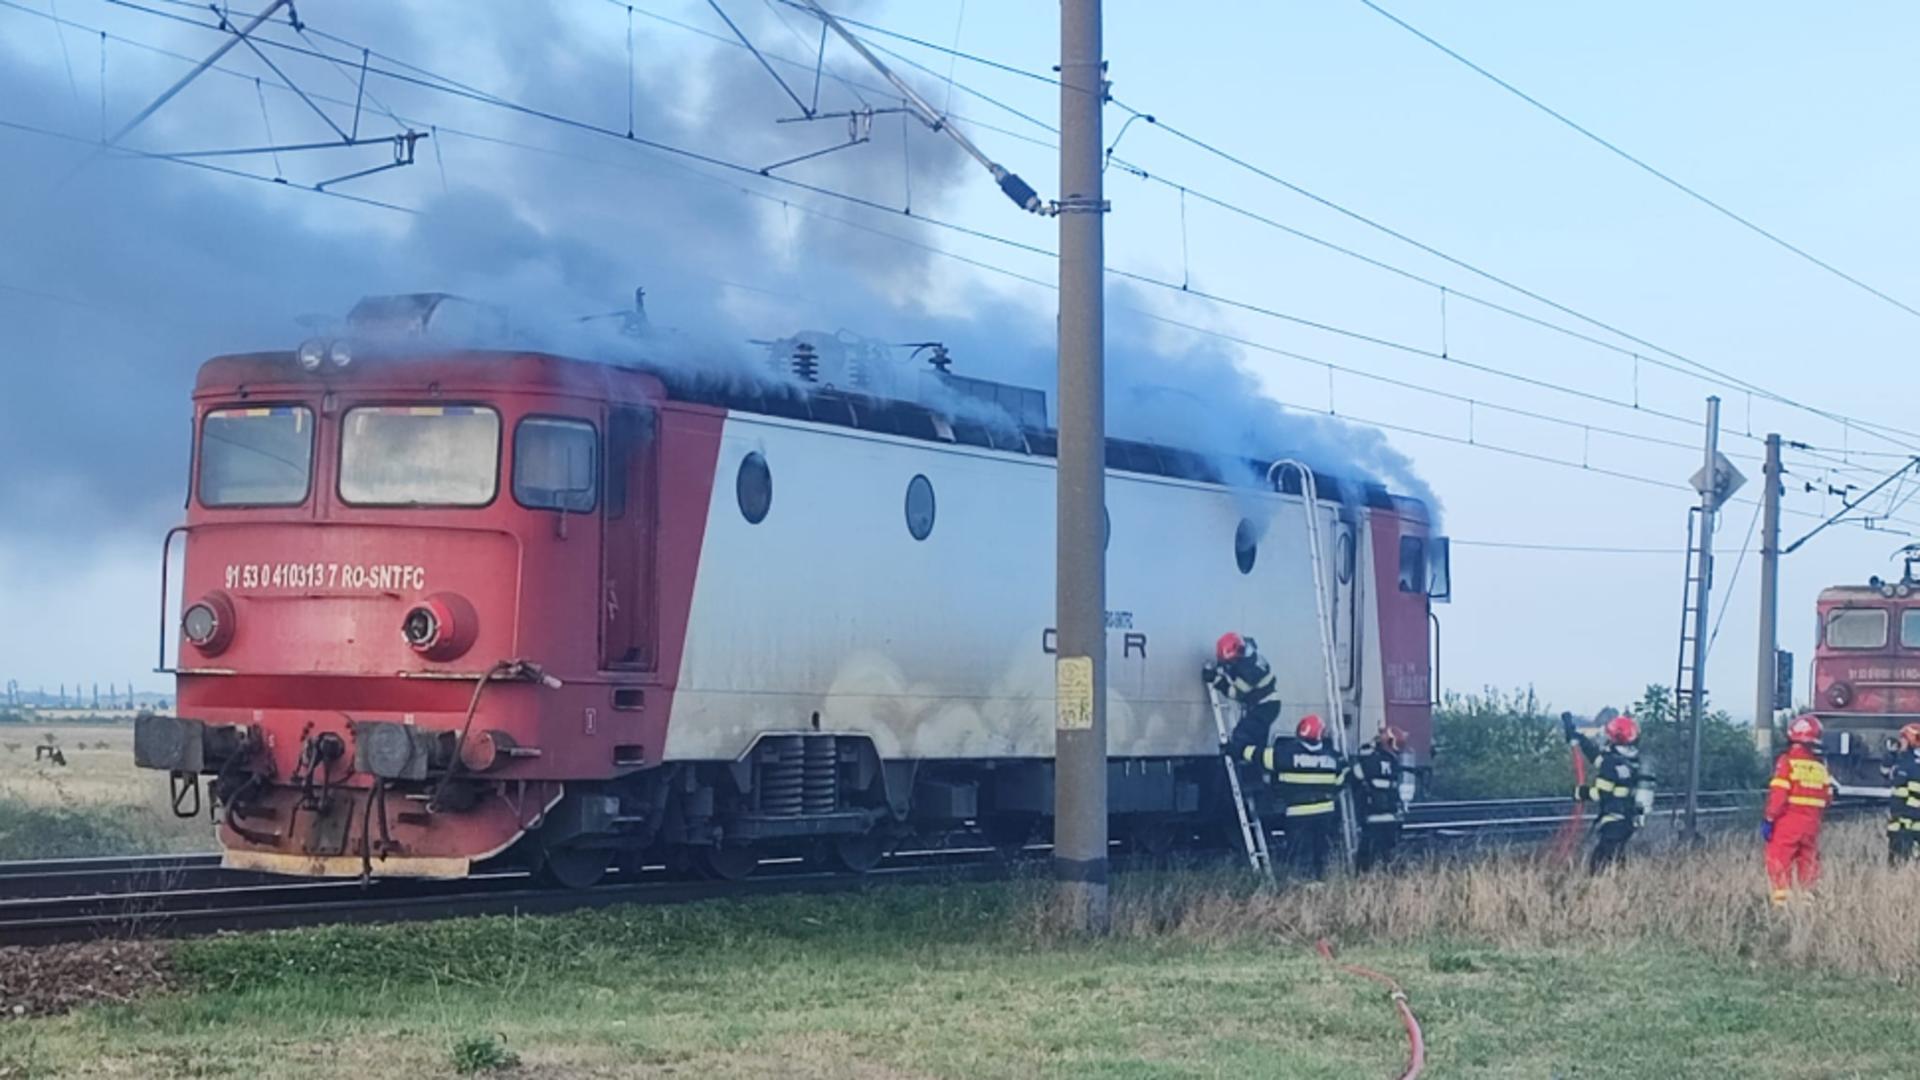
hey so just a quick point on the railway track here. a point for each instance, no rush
(183, 895)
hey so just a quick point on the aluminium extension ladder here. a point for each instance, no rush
(1253, 833)
(1309, 491)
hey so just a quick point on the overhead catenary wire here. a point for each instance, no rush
(433, 82)
(1642, 164)
(1880, 431)
(429, 81)
(1145, 279)
(1692, 367)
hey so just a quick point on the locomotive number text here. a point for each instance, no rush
(378, 577)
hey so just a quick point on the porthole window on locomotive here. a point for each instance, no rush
(1246, 545)
(920, 507)
(754, 486)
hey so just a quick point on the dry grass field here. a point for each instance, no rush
(1673, 966)
(95, 804)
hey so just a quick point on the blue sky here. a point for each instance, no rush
(1789, 114)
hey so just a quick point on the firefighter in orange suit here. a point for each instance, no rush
(1797, 798)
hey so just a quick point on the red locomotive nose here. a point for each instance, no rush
(441, 627)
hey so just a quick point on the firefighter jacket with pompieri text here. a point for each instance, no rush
(1247, 680)
(1903, 810)
(1617, 777)
(1377, 774)
(1307, 776)
(1801, 785)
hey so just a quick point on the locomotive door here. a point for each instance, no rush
(1346, 612)
(628, 623)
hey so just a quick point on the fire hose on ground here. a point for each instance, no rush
(1416, 1043)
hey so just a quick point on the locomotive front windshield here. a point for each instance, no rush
(256, 456)
(1857, 628)
(420, 455)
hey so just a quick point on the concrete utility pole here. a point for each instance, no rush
(1766, 681)
(1709, 505)
(1080, 675)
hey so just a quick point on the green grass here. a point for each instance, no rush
(957, 981)
(47, 832)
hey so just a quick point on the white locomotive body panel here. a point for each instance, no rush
(829, 615)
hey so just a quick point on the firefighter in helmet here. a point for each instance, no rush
(1619, 786)
(1307, 777)
(1240, 673)
(1797, 800)
(1378, 777)
(1903, 811)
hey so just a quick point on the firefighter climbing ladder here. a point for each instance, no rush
(1309, 492)
(1253, 832)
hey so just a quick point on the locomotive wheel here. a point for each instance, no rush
(858, 853)
(576, 868)
(728, 863)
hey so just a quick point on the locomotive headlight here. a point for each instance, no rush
(312, 354)
(1839, 695)
(1903, 590)
(199, 624)
(441, 627)
(421, 628)
(339, 354)
(208, 623)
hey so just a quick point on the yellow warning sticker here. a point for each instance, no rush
(1073, 693)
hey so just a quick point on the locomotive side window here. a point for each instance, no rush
(1857, 628)
(420, 455)
(754, 488)
(1413, 564)
(920, 507)
(256, 457)
(555, 464)
(1246, 545)
(1910, 628)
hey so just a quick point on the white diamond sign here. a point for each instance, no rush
(1726, 480)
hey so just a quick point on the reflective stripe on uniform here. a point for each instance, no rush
(1382, 819)
(1608, 819)
(1382, 782)
(1806, 800)
(1780, 781)
(1309, 809)
(1316, 779)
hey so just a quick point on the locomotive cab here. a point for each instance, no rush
(380, 639)
(1866, 677)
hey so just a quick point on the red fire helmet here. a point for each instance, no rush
(1230, 647)
(1622, 730)
(1805, 730)
(1311, 728)
(1910, 736)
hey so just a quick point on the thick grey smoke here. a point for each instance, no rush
(117, 281)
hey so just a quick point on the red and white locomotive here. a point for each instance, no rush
(441, 604)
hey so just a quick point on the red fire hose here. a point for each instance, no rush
(1416, 1043)
(1569, 836)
